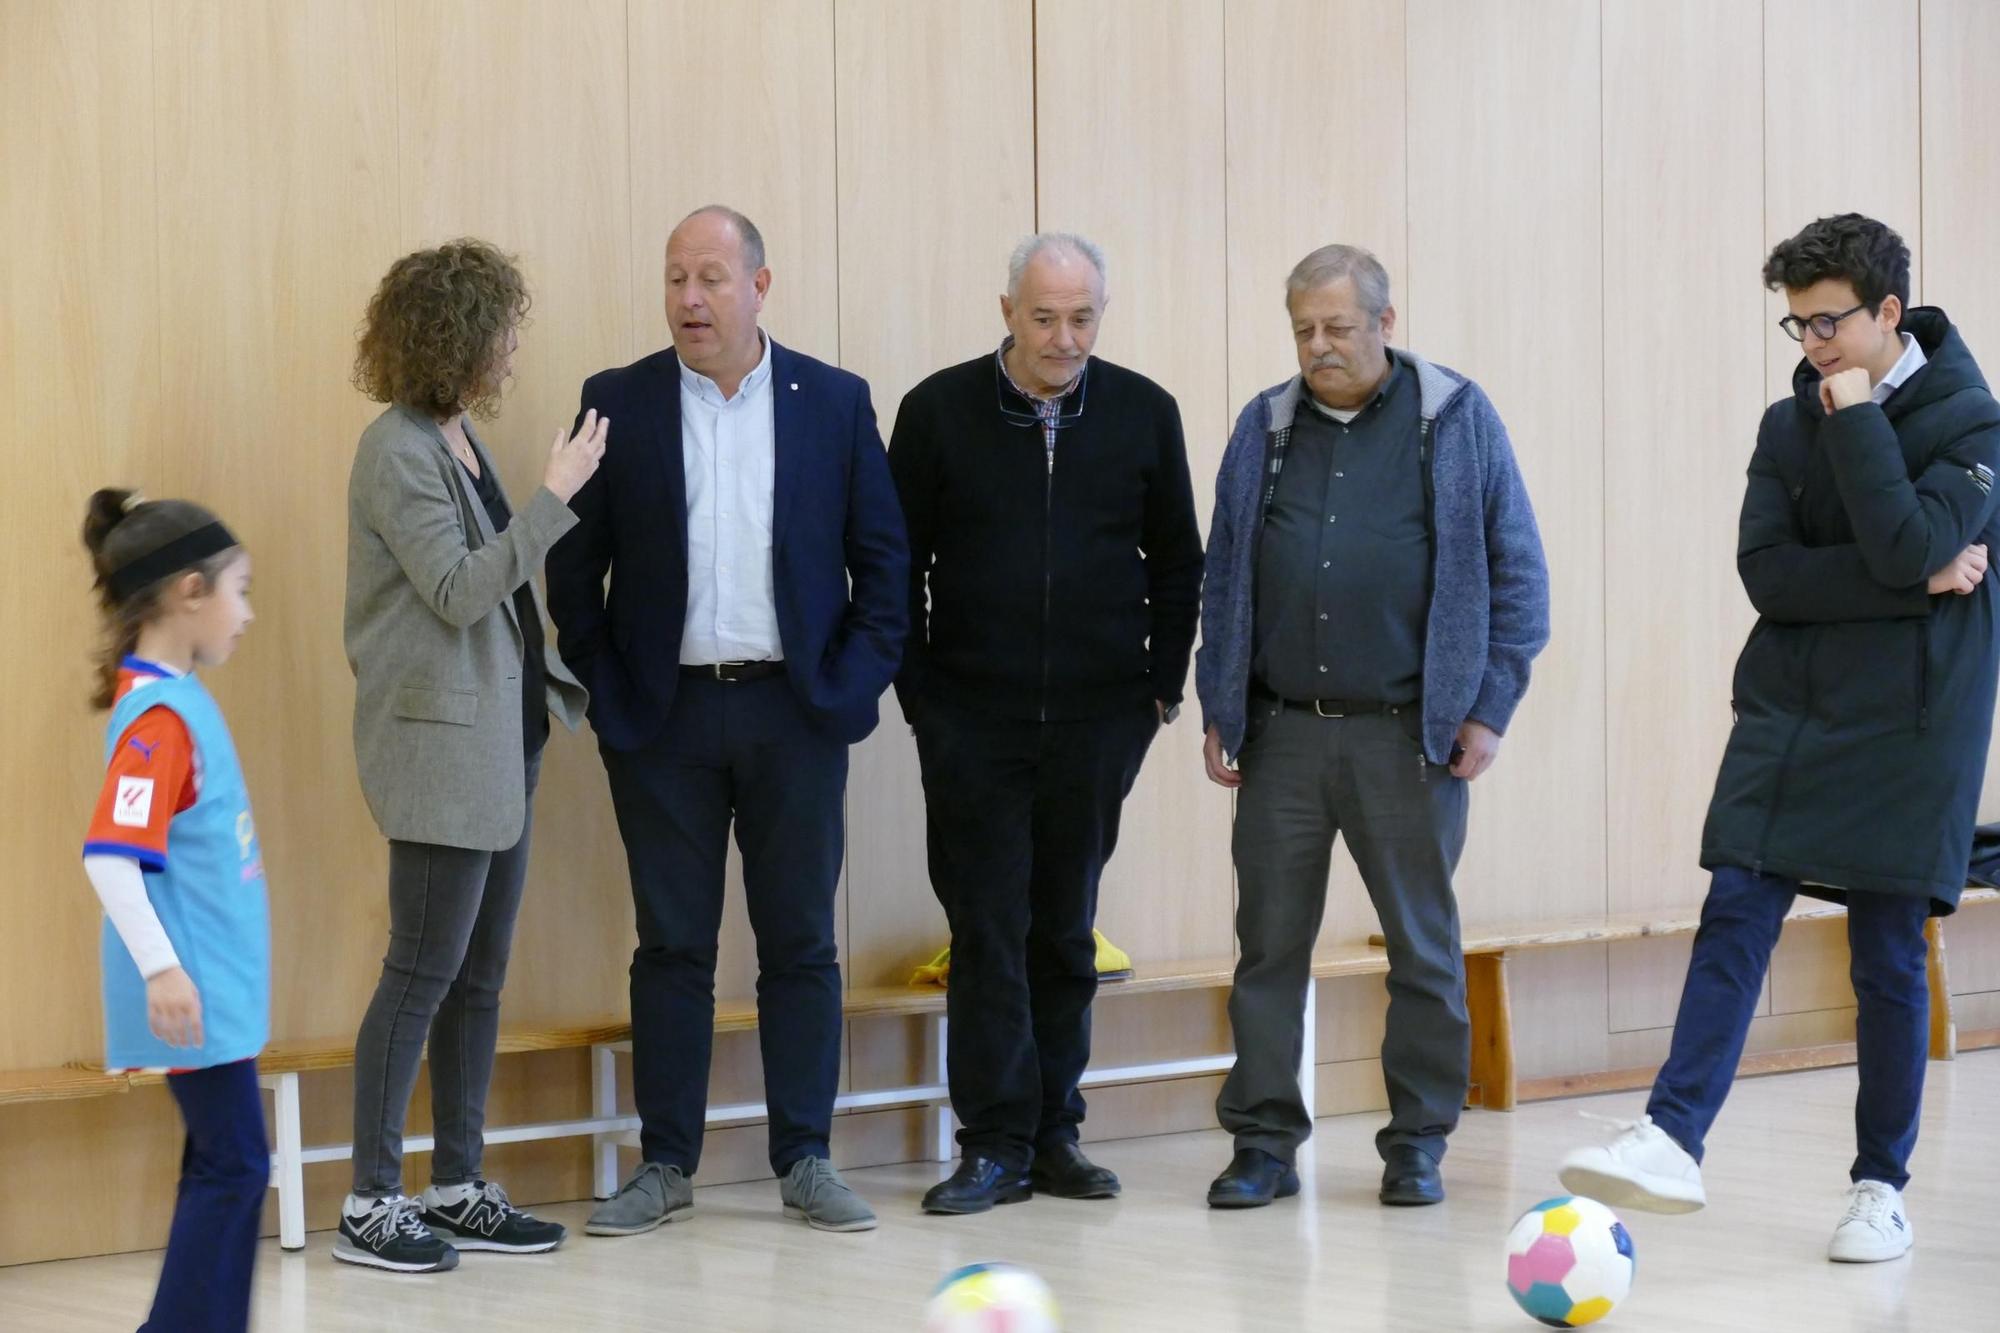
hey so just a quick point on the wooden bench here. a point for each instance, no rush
(1489, 1005)
(1494, 1083)
(61, 1084)
(282, 1063)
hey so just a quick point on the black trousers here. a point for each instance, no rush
(1021, 818)
(744, 752)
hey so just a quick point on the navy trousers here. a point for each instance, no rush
(1740, 921)
(744, 753)
(225, 1171)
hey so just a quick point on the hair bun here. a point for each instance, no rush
(107, 508)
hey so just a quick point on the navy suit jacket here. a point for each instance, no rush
(840, 557)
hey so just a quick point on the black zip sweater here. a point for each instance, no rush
(1039, 591)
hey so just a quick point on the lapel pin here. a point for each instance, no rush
(795, 388)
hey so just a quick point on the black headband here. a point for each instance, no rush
(183, 552)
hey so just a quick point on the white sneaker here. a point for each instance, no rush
(1876, 1226)
(1642, 1168)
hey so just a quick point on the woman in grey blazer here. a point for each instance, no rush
(453, 691)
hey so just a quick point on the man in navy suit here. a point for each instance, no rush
(756, 610)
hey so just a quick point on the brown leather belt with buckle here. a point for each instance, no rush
(733, 672)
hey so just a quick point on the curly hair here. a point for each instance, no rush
(1867, 253)
(436, 328)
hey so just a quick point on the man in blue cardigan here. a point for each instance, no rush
(1375, 594)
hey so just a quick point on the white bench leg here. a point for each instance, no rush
(288, 1172)
(943, 1146)
(604, 1105)
(1309, 1052)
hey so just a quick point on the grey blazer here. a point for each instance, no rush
(434, 642)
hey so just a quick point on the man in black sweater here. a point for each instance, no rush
(1055, 586)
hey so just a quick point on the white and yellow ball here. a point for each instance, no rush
(1569, 1261)
(992, 1298)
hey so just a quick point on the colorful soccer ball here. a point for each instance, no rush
(1569, 1261)
(992, 1298)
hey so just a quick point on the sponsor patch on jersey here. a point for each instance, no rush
(132, 805)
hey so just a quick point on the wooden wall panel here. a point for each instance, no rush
(765, 149)
(80, 369)
(1961, 119)
(936, 166)
(1561, 1011)
(1300, 175)
(1851, 63)
(1809, 969)
(277, 212)
(1683, 239)
(1129, 144)
(1505, 287)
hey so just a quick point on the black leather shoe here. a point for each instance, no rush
(1410, 1178)
(978, 1184)
(1253, 1179)
(1067, 1174)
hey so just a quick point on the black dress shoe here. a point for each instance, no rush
(1253, 1179)
(978, 1184)
(1066, 1173)
(1410, 1178)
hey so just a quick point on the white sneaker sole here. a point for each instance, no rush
(859, 1224)
(1859, 1254)
(1644, 1193)
(349, 1253)
(467, 1242)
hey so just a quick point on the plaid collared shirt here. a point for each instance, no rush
(1048, 410)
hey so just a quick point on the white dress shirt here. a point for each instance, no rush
(1909, 363)
(728, 453)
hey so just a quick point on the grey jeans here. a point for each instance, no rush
(451, 927)
(1306, 780)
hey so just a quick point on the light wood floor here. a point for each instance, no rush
(1158, 1260)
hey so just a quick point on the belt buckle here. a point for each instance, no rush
(720, 667)
(1319, 707)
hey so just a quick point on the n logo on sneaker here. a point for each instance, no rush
(483, 1216)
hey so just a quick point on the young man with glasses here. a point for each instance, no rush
(1864, 703)
(1055, 580)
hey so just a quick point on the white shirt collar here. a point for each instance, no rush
(703, 387)
(1909, 363)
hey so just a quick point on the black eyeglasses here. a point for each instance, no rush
(1822, 326)
(1065, 415)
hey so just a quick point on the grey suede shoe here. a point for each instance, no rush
(815, 1194)
(654, 1194)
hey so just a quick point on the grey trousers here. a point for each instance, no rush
(1306, 780)
(451, 930)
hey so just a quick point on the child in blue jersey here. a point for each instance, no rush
(173, 855)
